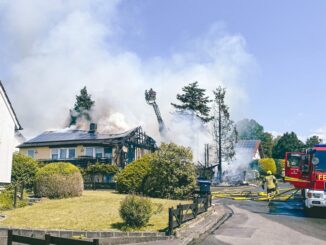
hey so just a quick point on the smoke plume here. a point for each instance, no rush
(53, 48)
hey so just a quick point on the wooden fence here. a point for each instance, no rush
(48, 240)
(186, 212)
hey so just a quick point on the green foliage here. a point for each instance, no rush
(194, 99)
(249, 130)
(289, 142)
(313, 140)
(23, 170)
(7, 199)
(267, 144)
(252, 130)
(172, 173)
(267, 164)
(101, 168)
(135, 211)
(58, 180)
(82, 107)
(84, 101)
(280, 164)
(132, 178)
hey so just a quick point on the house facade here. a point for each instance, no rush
(82, 147)
(252, 148)
(9, 129)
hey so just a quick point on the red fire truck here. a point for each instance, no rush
(307, 171)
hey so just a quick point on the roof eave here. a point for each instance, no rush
(17, 123)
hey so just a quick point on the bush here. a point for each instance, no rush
(99, 169)
(266, 164)
(172, 173)
(132, 178)
(23, 170)
(58, 180)
(280, 164)
(135, 211)
(7, 199)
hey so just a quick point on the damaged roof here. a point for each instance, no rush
(75, 136)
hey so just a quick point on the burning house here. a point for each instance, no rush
(82, 147)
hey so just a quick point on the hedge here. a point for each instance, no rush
(58, 180)
(132, 178)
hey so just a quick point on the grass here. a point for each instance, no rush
(95, 210)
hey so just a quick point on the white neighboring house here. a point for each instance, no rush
(9, 126)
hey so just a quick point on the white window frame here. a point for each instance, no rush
(52, 153)
(99, 150)
(59, 153)
(74, 153)
(86, 151)
(34, 152)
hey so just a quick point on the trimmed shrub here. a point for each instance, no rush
(58, 180)
(135, 211)
(132, 178)
(266, 164)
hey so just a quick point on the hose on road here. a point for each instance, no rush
(279, 195)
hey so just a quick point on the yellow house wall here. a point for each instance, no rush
(41, 152)
(45, 152)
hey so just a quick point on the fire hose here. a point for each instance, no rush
(280, 195)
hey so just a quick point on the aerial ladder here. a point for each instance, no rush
(150, 97)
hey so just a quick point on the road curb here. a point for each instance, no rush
(228, 214)
(199, 228)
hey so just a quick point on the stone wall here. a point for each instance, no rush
(105, 237)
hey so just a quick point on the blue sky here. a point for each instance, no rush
(287, 39)
(284, 41)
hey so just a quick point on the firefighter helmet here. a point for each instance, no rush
(269, 172)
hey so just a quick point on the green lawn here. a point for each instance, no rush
(95, 210)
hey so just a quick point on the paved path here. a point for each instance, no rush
(245, 227)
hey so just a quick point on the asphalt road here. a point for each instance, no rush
(278, 223)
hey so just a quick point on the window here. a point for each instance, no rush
(31, 153)
(99, 152)
(89, 151)
(55, 154)
(63, 153)
(71, 153)
(108, 152)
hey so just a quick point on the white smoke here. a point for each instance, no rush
(53, 48)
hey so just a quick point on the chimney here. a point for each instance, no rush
(92, 128)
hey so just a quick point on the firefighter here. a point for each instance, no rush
(271, 183)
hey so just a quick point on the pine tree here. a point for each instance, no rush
(82, 107)
(194, 99)
(224, 132)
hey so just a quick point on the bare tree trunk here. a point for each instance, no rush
(219, 142)
(22, 190)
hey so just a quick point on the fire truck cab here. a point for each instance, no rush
(307, 171)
